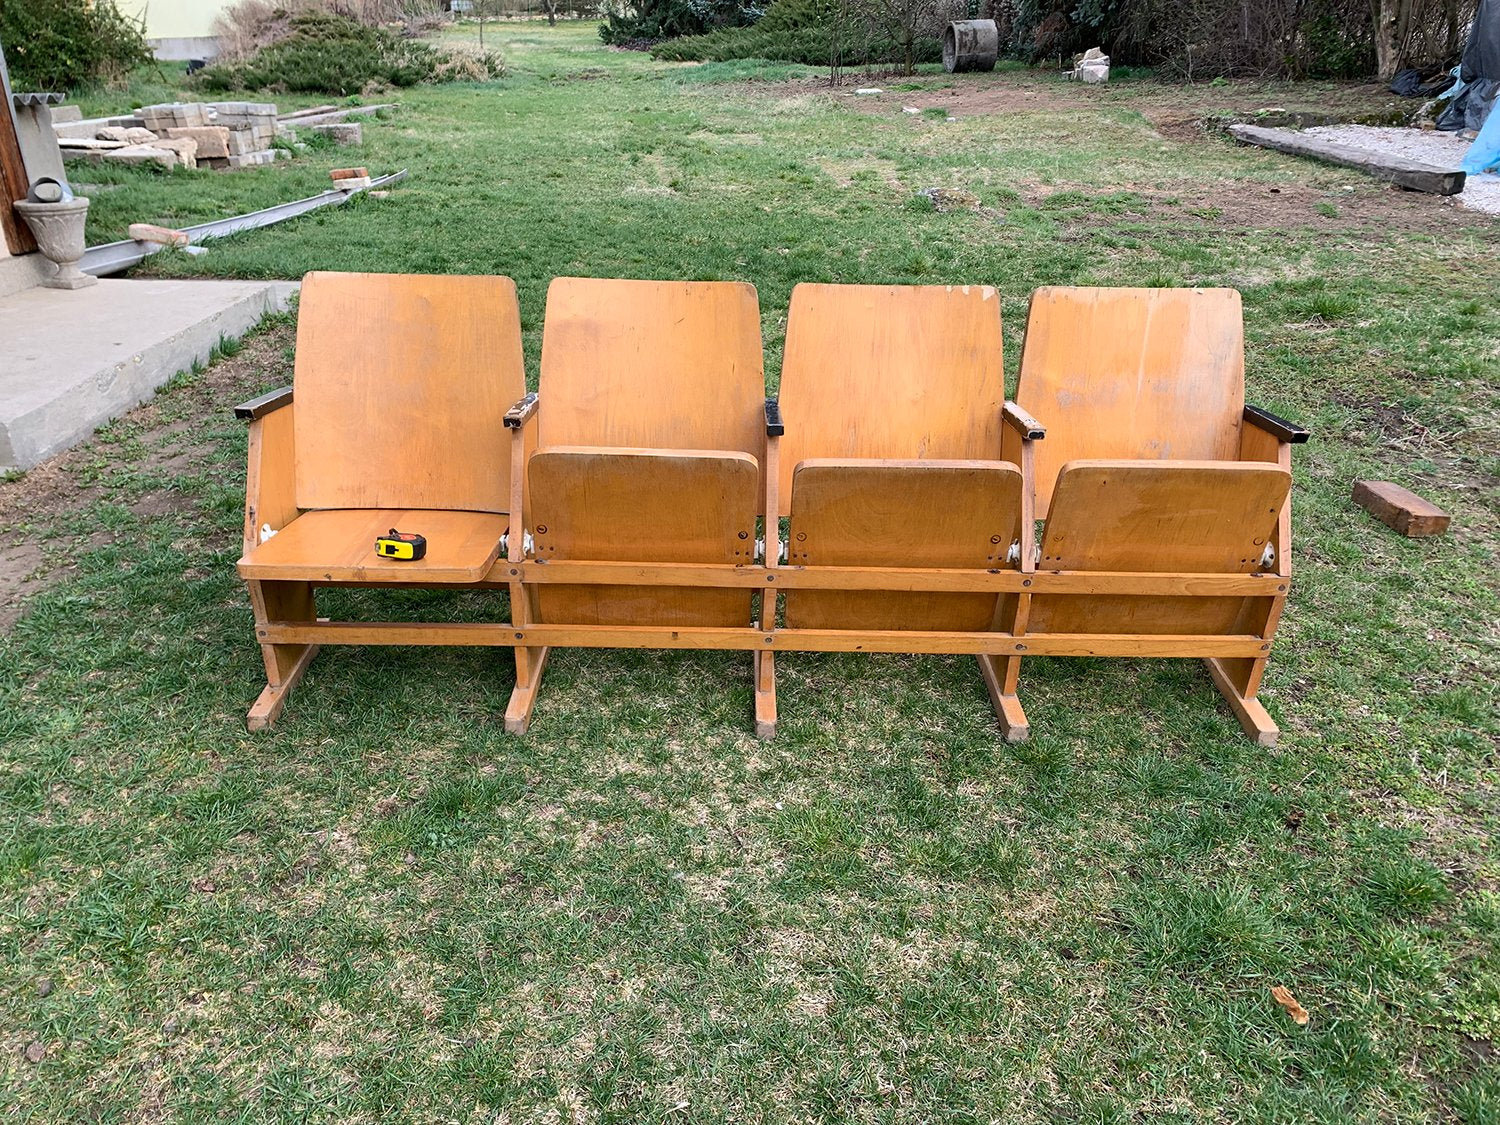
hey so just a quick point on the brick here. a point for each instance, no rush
(213, 140)
(1401, 509)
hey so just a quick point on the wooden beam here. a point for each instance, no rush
(793, 640)
(1397, 170)
(13, 182)
(944, 579)
(1400, 508)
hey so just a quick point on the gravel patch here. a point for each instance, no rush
(1445, 150)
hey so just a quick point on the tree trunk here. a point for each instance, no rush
(1387, 48)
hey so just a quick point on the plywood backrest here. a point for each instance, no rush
(1132, 373)
(652, 364)
(891, 372)
(402, 384)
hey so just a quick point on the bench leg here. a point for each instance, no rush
(1000, 676)
(280, 601)
(765, 694)
(529, 665)
(1238, 680)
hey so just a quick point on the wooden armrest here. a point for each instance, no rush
(775, 427)
(522, 412)
(260, 407)
(1278, 428)
(1024, 424)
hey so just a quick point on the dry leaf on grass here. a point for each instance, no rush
(1283, 996)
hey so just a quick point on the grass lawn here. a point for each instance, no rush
(388, 910)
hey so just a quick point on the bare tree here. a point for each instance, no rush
(903, 22)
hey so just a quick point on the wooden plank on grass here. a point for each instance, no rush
(1405, 173)
(1400, 508)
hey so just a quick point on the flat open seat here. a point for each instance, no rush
(339, 546)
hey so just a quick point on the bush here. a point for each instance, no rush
(249, 25)
(628, 21)
(323, 53)
(799, 31)
(64, 44)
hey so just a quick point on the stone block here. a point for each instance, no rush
(113, 133)
(239, 142)
(141, 136)
(252, 159)
(212, 140)
(143, 154)
(65, 114)
(185, 148)
(342, 133)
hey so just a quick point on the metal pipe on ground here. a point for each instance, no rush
(116, 257)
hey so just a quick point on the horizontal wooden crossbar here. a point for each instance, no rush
(792, 640)
(908, 579)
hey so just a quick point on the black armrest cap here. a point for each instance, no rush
(261, 406)
(517, 415)
(775, 427)
(1276, 426)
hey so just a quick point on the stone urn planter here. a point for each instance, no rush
(58, 229)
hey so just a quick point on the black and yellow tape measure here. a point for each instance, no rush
(404, 545)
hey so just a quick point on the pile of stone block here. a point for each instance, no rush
(190, 134)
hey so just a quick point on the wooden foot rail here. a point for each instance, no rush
(757, 640)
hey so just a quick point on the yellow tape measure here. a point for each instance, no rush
(404, 545)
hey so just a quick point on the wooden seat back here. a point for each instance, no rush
(402, 382)
(652, 365)
(1132, 373)
(891, 372)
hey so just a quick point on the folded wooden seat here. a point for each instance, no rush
(401, 384)
(648, 428)
(1154, 465)
(897, 454)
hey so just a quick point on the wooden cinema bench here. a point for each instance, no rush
(401, 387)
(1154, 466)
(650, 447)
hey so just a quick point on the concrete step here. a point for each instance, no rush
(72, 360)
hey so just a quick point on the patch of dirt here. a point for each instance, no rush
(1167, 106)
(1176, 113)
(32, 504)
(19, 567)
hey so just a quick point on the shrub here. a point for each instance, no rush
(627, 21)
(319, 52)
(249, 25)
(64, 44)
(800, 31)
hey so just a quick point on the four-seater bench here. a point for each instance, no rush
(650, 495)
